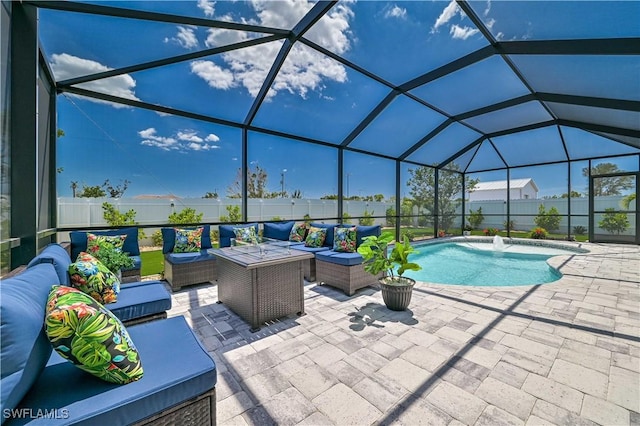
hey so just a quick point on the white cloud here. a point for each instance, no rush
(396, 12)
(150, 138)
(487, 9)
(189, 135)
(214, 75)
(186, 38)
(447, 14)
(183, 141)
(490, 23)
(207, 6)
(304, 69)
(462, 33)
(65, 66)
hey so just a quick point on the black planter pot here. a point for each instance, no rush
(397, 295)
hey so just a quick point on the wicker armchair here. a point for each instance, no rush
(183, 269)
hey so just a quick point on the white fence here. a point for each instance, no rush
(87, 212)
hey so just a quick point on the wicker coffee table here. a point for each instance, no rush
(261, 282)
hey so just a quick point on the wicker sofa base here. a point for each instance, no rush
(199, 411)
(309, 270)
(183, 274)
(346, 278)
(131, 276)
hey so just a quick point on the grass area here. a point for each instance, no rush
(152, 262)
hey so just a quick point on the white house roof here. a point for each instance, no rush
(502, 184)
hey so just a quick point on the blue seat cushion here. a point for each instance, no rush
(175, 258)
(340, 258)
(139, 301)
(25, 347)
(226, 233)
(131, 246)
(58, 257)
(328, 242)
(278, 231)
(366, 231)
(169, 238)
(176, 369)
(137, 263)
(302, 247)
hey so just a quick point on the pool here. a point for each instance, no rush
(477, 264)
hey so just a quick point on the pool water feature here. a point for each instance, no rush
(479, 265)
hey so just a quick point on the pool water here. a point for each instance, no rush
(451, 263)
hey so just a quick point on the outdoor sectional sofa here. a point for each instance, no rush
(137, 301)
(131, 247)
(183, 269)
(341, 270)
(40, 387)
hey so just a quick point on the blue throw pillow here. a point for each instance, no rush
(278, 231)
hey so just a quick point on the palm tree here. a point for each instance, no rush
(74, 186)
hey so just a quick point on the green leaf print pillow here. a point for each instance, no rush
(84, 332)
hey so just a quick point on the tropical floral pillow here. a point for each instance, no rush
(188, 240)
(84, 332)
(246, 234)
(93, 241)
(90, 276)
(315, 237)
(344, 239)
(298, 232)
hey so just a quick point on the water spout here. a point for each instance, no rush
(498, 243)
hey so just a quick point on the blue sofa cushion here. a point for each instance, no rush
(173, 373)
(58, 257)
(25, 348)
(137, 263)
(227, 232)
(175, 258)
(140, 300)
(328, 241)
(302, 247)
(366, 231)
(278, 231)
(169, 238)
(347, 259)
(131, 246)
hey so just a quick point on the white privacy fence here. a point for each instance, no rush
(87, 212)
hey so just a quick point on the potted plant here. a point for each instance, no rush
(113, 258)
(466, 231)
(396, 289)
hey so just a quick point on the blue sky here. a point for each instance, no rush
(313, 96)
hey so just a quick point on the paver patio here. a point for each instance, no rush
(561, 353)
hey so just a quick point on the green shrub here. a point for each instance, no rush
(367, 219)
(509, 225)
(579, 230)
(475, 218)
(538, 233)
(234, 215)
(156, 237)
(115, 218)
(548, 220)
(614, 223)
(391, 216)
(346, 217)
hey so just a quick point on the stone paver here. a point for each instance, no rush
(568, 353)
(343, 406)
